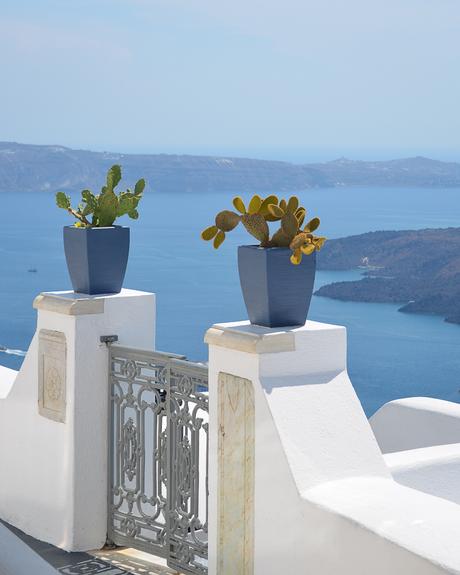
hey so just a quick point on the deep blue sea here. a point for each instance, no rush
(391, 354)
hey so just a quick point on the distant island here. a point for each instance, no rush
(36, 168)
(418, 269)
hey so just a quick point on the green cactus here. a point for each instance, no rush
(106, 210)
(62, 201)
(255, 219)
(106, 207)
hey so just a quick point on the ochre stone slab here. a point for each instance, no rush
(250, 341)
(236, 476)
(52, 354)
(69, 304)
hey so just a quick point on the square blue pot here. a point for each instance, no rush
(96, 258)
(276, 292)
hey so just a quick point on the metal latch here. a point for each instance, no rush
(108, 339)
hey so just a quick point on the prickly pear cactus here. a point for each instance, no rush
(257, 227)
(255, 218)
(227, 220)
(106, 207)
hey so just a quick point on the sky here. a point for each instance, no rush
(290, 79)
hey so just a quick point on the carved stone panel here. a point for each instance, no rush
(236, 476)
(52, 352)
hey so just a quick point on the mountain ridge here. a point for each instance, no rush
(38, 168)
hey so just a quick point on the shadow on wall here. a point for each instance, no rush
(269, 383)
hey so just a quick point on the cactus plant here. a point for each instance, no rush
(255, 218)
(105, 207)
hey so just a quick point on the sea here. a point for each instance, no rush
(390, 354)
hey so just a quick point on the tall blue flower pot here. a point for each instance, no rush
(276, 292)
(96, 258)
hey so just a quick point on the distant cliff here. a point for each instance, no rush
(50, 168)
(418, 172)
(418, 269)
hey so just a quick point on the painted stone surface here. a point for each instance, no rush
(52, 375)
(236, 476)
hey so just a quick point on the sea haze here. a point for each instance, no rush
(390, 354)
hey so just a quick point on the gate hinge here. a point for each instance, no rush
(108, 339)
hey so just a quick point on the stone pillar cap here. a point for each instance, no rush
(244, 336)
(71, 303)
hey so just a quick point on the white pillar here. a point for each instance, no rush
(54, 420)
(283, 418)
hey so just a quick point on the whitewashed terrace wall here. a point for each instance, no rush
(323, 501)
(53, 476)
(415, 422)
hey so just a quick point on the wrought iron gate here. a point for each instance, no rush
(158, 464)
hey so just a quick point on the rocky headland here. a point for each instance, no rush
(418, 269)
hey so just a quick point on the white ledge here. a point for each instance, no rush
(71, 303)
(243, 336)
(416, 422)
(424, 525)
(433, 470)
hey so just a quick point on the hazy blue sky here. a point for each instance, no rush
(278, 78)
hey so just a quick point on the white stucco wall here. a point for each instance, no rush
(434, 470)
(375, 526)
(416, 422)
(325, 502)
(53, 476)
(7, 378)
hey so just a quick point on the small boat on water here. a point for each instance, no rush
(9, 351)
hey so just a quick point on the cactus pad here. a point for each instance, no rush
(257, 227)
(62, 201)
(227, 220)
(296, 257)
(264, 206)
(239, 205)
(219, 239)
(312, 225)
(293, 204)
(209, 233)
(280, 239)
(289, 225)
(255, 204)
(276, 211)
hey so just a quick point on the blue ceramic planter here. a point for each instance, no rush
(96, 258)
(276, 292)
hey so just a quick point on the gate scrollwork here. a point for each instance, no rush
(158, 492)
